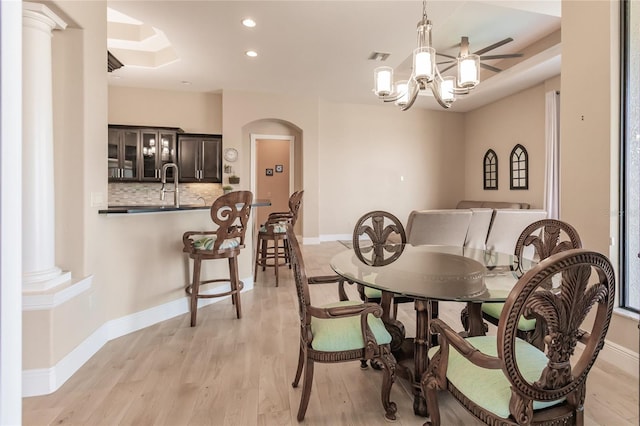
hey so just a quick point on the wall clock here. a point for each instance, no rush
(231, 154)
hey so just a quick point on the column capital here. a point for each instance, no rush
(42, 13)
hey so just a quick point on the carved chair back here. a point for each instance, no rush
(544, 237)
(231, 213)
(386, 238)
(291, 216)
(295, 201)
(564, 310)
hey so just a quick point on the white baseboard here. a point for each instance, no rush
(43, 381)
(336, 237)
(622, 358)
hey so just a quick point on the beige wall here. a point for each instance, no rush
(380, 158)
(589, 135)
(516, 119)
(190, 111)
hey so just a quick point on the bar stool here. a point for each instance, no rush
(231, 213)
(272, 247)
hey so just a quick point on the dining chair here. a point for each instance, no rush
(378, 238)
(230, 212)
(502, 379)
(338, 332)
(272, 245)
(377, 235)
(546, 237)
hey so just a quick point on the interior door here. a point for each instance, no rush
(273, 174)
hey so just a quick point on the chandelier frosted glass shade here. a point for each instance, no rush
(447, 89)
(469, 71)
(383, 81)
(424, 63)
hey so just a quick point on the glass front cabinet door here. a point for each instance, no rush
(123, 154)
(158, 148)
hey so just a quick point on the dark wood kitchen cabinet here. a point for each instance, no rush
(200, 157)
(137, 153)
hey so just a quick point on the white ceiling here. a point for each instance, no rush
(320, 48)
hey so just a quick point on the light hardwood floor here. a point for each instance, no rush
(227, 371)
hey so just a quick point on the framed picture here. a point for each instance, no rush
(269, 172)
(279, 168)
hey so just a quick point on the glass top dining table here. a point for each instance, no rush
(432, 272)
(427, 274)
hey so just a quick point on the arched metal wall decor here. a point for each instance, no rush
(490, 170)
(519, 171)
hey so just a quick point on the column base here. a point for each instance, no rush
(44, 280)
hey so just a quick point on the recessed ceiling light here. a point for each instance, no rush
(248, 22)
(251, 53)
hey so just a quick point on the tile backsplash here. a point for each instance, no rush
(148, 194)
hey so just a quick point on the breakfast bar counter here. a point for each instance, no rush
(167, 208)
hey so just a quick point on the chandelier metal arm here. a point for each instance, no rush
(413, 95)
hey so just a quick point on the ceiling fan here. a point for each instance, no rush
(464, 50)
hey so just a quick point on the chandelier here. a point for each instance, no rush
(425, 74)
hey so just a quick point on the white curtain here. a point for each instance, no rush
(552, 164)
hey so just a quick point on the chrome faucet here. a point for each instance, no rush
(163, 190)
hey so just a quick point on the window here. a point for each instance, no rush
(490, 170)
(630, 158)
(519, 168)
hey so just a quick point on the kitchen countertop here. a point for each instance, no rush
(167, 208)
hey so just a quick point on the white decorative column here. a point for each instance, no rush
(38, 207)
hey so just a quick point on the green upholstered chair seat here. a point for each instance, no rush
(206, 243)
(490, 389)
(276, 228)
(494, 309)
(343, 334)
(372, 293)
